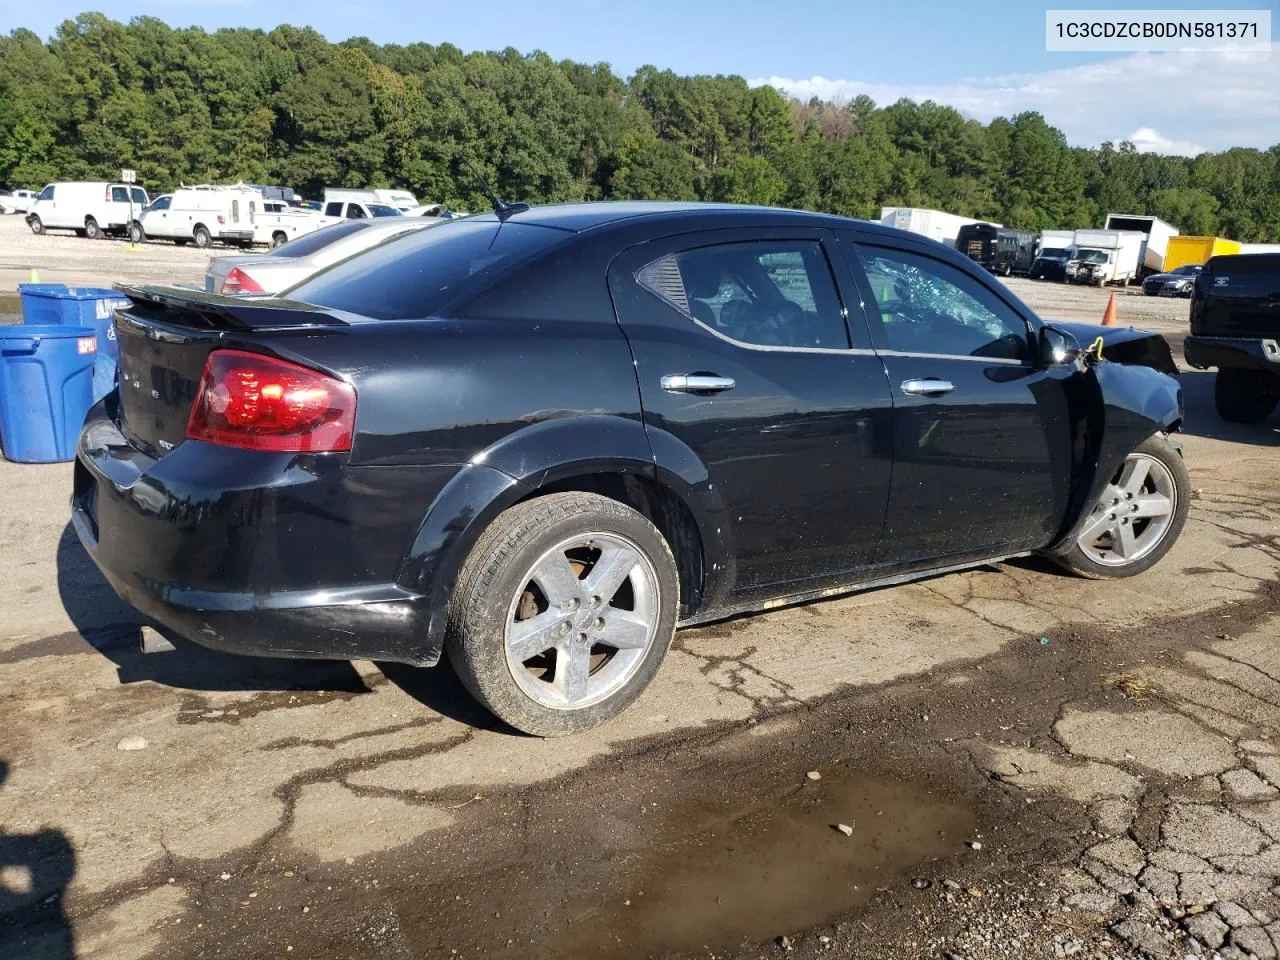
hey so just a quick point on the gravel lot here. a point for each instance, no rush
(1032, 765)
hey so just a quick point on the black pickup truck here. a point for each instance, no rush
(1235, 326)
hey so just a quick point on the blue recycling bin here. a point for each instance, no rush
(58, 303)
(46, 388)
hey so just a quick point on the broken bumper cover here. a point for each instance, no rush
(1248, 353)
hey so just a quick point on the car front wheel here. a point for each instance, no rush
(1138, 517)
(136, 233)
(563, 612)
(1245, 396)
(36, 225)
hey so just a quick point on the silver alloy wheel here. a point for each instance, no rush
(581, 623)
(1133, 514)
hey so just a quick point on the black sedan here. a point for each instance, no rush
(1178, 282)
(544, 438)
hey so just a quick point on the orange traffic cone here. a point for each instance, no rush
(1109, 315)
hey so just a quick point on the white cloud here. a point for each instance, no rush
(1218, 99)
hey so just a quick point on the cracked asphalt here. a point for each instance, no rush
(1028, 764)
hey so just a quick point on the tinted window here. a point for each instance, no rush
(46, 193)
(333, 209)
(776, 294)
(926, 306)
(1054, 253)
(119, 195)
(1188, 270)
(354, 212)
(382, 210)
(414, 274)
(139, 196)
(306, 245)
(162, 203)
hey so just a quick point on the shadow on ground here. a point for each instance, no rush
(1202, 419)
(107, 624)
(35, 871)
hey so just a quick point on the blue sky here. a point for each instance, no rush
(951, 51)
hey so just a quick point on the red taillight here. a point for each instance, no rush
(257, 402)
(237, 281)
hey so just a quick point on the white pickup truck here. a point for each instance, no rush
(277, 223)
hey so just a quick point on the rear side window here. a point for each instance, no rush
(309, 243)
(417, 273)
(769, 294)
(119, 195)
(354, 212)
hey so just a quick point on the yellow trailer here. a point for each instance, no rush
(1196, 250)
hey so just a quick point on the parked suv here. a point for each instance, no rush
(92, 210)
(542, 438)
(1235, 326)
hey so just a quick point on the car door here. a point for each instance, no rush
(982, 431)
(157, 220)
(744, 358)
(117, 213)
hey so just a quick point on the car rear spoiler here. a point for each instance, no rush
(187, 307)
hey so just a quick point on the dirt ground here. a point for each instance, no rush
(1031, 765)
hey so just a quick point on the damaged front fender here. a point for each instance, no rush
(1124, 404)
(1125, 345)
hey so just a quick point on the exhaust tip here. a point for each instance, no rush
(151, 640)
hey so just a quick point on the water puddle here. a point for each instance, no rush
(713, 876)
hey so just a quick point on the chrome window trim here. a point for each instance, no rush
(997, 361)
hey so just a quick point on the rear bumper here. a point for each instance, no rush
(274, 565)
(1246, 353)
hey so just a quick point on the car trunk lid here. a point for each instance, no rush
(165, 338)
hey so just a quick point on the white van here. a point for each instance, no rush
(90, 209)
(201, 215)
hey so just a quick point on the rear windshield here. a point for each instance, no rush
(1054, 253)
(415, 274)
(309, 243)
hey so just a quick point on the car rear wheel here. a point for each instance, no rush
(91, 229)
(1245, 396)
(36, 225)
(201, 236)
(563, 612)
(278, 239)
(1138, 517)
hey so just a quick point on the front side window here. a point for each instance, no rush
(119, 195)
(139, 196)
(766, 293)
(928, 307)
(162, 203)
(46, 193)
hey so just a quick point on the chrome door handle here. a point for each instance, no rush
(695, 383)
(926, 388)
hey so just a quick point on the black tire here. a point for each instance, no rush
(202, 236)
(136, 233)
(491, 579)
(91, 229)
(1159, 448)
(1245, 396)
(36, 225)
(278, 239)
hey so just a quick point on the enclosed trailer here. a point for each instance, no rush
(934, 224)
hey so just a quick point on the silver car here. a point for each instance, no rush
(292, 262)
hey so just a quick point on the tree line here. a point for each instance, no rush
(288, 107)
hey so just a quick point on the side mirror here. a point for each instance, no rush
(1057, 346)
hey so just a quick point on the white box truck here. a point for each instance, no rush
(1154, 229)
(934, 224)
(1104, 257)
(1056, 239)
